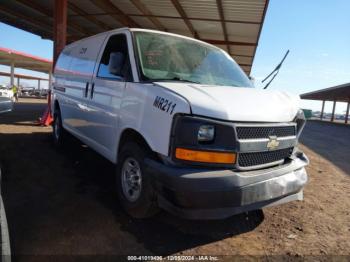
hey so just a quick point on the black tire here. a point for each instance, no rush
(146, 204)
(59, 134)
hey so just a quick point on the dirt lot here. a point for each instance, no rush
(64, 203)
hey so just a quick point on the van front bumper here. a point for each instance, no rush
(214, 194)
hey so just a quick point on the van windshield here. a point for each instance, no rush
(171, 58)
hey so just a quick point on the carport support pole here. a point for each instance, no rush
(59, 27)
(18, 81)
(39, 84)
(50, 79)
(323, 102)
(347, 113)
(333, 111)
(12, 80)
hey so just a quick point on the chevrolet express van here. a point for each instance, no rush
(182, 122)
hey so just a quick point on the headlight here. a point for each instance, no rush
(203, 141)
(206, 133)
(300, 121)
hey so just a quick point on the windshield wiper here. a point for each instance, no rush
(176, 78)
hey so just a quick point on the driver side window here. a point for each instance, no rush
(115, 63)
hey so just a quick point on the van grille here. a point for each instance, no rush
(256, 132)
(261, 158)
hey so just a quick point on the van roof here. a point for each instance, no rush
(140, 30)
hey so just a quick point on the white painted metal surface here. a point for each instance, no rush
(98, 116)
(238, 104)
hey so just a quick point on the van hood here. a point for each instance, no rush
(236, 103)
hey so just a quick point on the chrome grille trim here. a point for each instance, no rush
(260, 145)
(253, 153)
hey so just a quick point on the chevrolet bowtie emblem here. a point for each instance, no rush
(273, 143)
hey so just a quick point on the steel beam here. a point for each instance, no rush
(170, 17)
(38, 23)
(146, 12)
(201, 19)
(322, 110)
(91, 19)
(223, 24)
(118, 15)
(29, 27)
(223, 42)
(260, 29)
(184, 16)
(12, 77)
(249, 56)
(47, 12)
(347, 113)
(59, 28)
(35, 6)
(333, 111)
(50, 79)
(21, 76)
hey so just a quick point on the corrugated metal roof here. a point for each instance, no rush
(201, 8)
(233, 25)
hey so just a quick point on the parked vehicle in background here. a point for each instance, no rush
(6, 99)
(41, 92)
(186, 128)
(27, 91)
(6, 92)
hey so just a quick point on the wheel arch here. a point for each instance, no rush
(56, 106)
(132, 135)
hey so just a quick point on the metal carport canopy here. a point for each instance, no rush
(13, 58)
(26, 61)
(233, 25)
(340, 93)
(21, 76)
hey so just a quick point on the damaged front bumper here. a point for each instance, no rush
(214, 194)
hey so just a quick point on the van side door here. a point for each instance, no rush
(112, 73)
(78, 83)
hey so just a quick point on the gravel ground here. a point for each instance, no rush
(64, 203)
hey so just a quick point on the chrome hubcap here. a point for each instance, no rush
(131, 179)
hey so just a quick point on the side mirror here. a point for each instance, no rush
(116, 62)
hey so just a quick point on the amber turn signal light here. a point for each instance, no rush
(205, 156)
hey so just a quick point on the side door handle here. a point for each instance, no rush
(92, 90)
(86, 89)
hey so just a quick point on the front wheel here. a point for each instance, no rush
(134, 186)
(58, 133)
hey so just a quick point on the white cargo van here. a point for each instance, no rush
(183, 123)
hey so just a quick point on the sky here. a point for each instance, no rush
(316, 32)
(19, 40)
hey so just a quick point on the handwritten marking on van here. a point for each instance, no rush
(164, 104)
